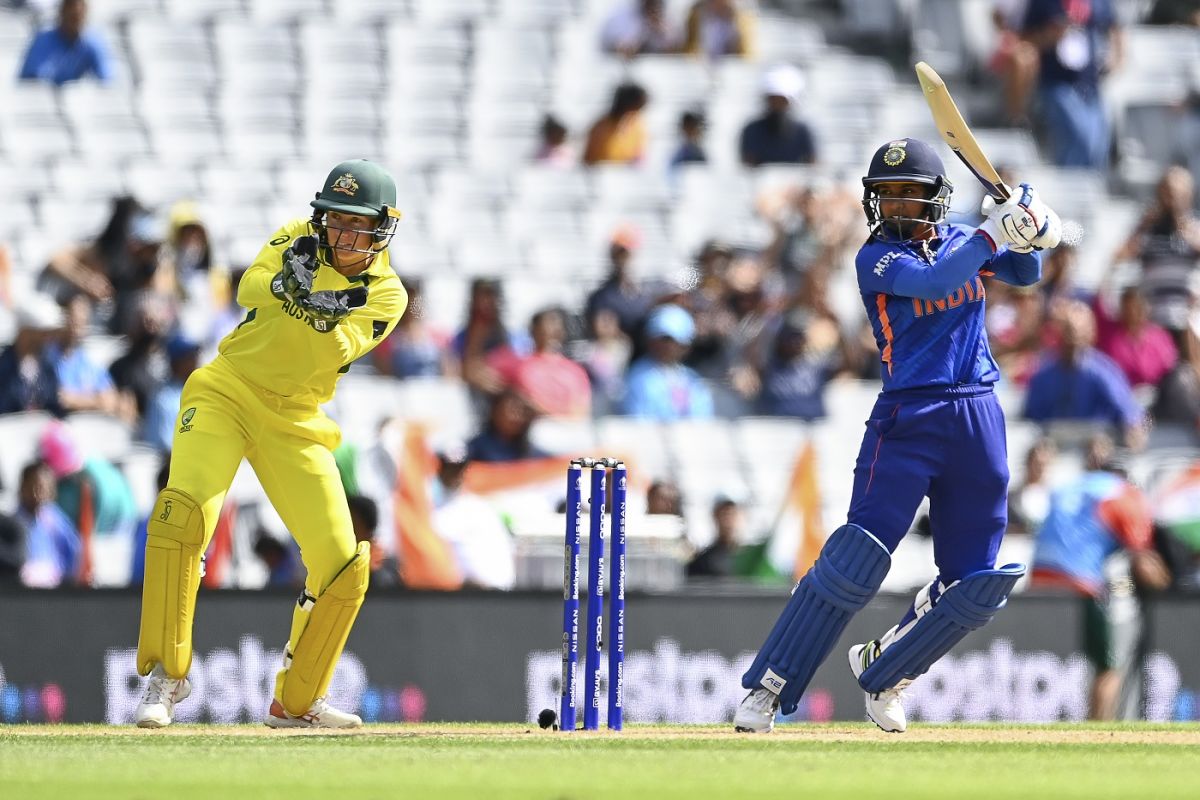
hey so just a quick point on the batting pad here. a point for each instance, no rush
(174, 544)
(963, 607)
(847, 575)
(321, 643)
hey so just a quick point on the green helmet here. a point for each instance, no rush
(359, 187)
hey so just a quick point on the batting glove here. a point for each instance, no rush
(1024, 223)
(328, 308)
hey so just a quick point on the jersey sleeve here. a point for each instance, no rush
(364, 329)
(893, 271)
(254, 290)
(1016, 269)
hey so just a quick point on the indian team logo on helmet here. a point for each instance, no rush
(185, 422)
(896, 153)
(346, 185)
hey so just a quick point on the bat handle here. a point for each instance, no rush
(1000, 193)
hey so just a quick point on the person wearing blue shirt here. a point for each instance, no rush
(92, 491)
(691, 148)
(84, 385)
(936, 431)
(52, 544)
(659, 386)
(67, 52)
(505, 434)
(28, 380)
(1081, 383)
(1079, 41)
(778, 136)
(158, 426)
(794, 378)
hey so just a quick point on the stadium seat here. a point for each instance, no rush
(569, 437)
(524, 296)
(195, 140)
(449, 11)
(640, 442)
(111, 12)
(162, 182)
(534, 12)
(370, 12)
(84, 179)
(101, 435)
(481, 257)
(140, 466)
(284, 11)
(192, 11)
(441, 402)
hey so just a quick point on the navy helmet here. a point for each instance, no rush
(910, 161)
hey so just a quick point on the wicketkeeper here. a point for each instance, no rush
(320, 294)
(936, 431)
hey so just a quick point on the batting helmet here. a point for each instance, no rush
(363, 188)
(906, 161)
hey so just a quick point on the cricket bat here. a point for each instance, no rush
(955, 133)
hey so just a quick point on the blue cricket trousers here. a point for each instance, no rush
(946, 443)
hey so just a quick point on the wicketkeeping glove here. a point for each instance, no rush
(299, 267)
(328, 308)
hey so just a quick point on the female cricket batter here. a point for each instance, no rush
(320, 294)
(936, 430)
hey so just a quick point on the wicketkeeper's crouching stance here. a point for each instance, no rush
(936, 430)
(319, 295)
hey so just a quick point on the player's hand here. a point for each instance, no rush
(328, 308)
(1024, 223)
(1049, 227)
(299, 267)
(1050, 233)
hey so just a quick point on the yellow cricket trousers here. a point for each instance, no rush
(223, 418)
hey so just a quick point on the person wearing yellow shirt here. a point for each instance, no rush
(320, 294)
(619, 136)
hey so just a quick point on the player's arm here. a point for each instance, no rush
(254, 290)
(901, 273)
(1016, 269)
(359, 333)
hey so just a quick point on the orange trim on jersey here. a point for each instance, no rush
(886, 324)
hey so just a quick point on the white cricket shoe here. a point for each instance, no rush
(321, 715)
(157, 707)
(886, 708)
(756, 714)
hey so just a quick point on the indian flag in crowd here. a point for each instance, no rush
(798, 534)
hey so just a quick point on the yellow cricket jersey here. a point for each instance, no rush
(278, 349)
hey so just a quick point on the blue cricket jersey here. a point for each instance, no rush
(926, 305)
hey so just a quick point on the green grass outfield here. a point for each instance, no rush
(207, 762)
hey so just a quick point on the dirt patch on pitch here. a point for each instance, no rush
(1186, 735)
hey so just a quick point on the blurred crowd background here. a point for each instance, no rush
(628, 231)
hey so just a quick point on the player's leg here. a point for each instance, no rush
(890, 479)
(302, 482)
(967, 517)
(208, 445)
(1098, 646)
